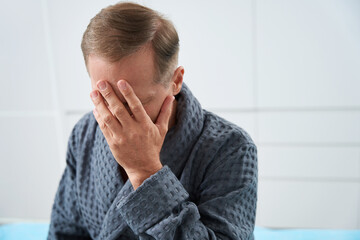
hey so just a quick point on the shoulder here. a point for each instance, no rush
(224, 132)
(83, 131)
(226, 158)
(227, 146)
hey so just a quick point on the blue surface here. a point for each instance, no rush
(24, 231)
(305, 234)
(38, 231)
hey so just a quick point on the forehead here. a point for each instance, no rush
(137, 70)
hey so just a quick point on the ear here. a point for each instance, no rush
(177, 80)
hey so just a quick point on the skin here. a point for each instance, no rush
(132, 111)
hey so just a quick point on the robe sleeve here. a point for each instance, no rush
(225, 209)
(66, 222)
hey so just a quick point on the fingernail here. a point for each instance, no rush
(94, 94)
(101, 85)
(122, 85)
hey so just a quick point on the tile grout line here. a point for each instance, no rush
(32, 113)
(309, 144)
(221, 110)
(23, 220)
(308, 179)
(286, 109)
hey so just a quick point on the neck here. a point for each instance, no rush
(172, 120)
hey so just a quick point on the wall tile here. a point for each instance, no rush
(310, 127)
(30, 174)
(292, 204)
(24, 62)
(288, 162)
(308, 53)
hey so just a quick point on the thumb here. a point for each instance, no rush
(162, 120)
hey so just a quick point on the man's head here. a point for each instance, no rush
(131, 42)
(122, 29)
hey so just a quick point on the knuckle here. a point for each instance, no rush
(120, 141)
(107, 119)
(146, 128)
(102, 125)
(136, 108)
(117, 140)
(96, 101)
(164, 129)
(112, 144)
(133, 135)
(118, 111)
(127, 92)
(107, 94)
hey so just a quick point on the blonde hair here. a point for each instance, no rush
(122, 29)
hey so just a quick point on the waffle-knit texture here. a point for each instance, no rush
(207, 188)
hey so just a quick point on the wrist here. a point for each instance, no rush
(139, 176)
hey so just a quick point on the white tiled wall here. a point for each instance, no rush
(298, 162)
(308, 53)
(29, 170)
(310, 127)
(285, 71)
(308, 204)
(24, 67)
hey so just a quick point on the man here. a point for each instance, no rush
(149, 162)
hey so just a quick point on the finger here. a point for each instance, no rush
(162, 120)
(115, 105)
(133, 101)
(104, 129)
(104, 113)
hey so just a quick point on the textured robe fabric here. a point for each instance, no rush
(207, 188)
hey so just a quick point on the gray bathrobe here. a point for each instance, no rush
(207, 188)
